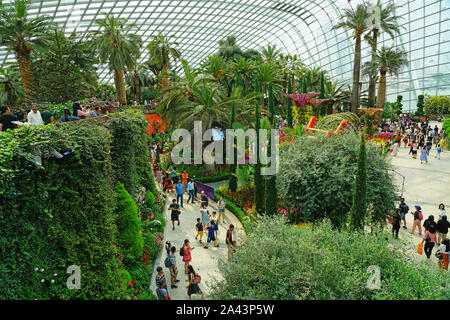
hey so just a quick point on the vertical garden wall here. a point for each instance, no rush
(64, 212)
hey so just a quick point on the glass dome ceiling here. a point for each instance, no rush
(302, 27)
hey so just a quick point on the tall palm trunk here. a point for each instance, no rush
(120, 86)
(165, 80)
(381, 98)
(356, 74)
(137, 86)
(26, 72)
(373, 77)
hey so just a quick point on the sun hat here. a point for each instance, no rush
(418, 207)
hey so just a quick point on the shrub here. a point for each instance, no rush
(129, 225)
(332, 121)
(317, 175)
(58, 214)
(282, 262)
(437, 104)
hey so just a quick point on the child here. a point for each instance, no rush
(199, 228)
(213, 218)
(438, 152)
(211, 235)
(414, 151)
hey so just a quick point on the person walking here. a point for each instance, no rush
(231, 244)
(438, 153)
(430, 240)
(187, 258)
(160, 278)
(429, 224)
(204, 199)
(194, 280)
(173, 267)
(184, 179)
(199, 228)
(211, 235)
(423, 155)
(162, 292)
(442, 228)
(191, 190)
(444, 250)
(442, 210)
(403, 212)
(175, 208)
(179, 188)
(396, 223)
(222, 206)
(213, 218)
(418, 216)
(205, 216)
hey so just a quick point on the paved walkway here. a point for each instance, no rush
(426, 185)
(204, 261)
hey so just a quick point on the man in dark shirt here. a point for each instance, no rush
(47, 116)
(175, 208)
(204, 199)
(6, 119)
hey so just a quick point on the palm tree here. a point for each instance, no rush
(271, 54)
(139, 76)
(10, 85)
(162, 50)
(22, 34)
(355, 20)
(388, 24)
(389, 61)
(117, 46)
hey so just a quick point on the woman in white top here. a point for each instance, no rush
(213, 217)
(442, 210)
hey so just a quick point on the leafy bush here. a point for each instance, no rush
(129, 225)
(318, 176)
(437, 104)
(282, 262)
(58, 214)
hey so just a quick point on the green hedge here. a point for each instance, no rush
(64, 212)
(238, 212)
(218, 178)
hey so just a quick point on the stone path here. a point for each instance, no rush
(204, 261)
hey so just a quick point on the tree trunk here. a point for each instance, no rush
(293, 82)
(165, 80)
(356, 74)
(120, 87)
(26, 72)
(137, 85)
(381, 98)
(373, 77)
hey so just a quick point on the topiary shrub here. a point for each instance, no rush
(319, 263)
(332, 121)
(318, 175)
(129, 225)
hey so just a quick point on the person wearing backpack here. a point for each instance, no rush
(173, 267)
(429, 237)
(194, 280)
(417, 218)
(185, 252)
(396, 223)
(442, 228)
(403, 211)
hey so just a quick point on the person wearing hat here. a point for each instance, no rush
(417, 218)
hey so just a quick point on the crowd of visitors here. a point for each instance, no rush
(42, 116)
(419, 137)
(207, 223)
(435, 234)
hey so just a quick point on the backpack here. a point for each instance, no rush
(432, 227)
(167, 262)
(197, 278)
(420, 216)
(182, 252)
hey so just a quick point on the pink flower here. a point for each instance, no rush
(130, 284)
